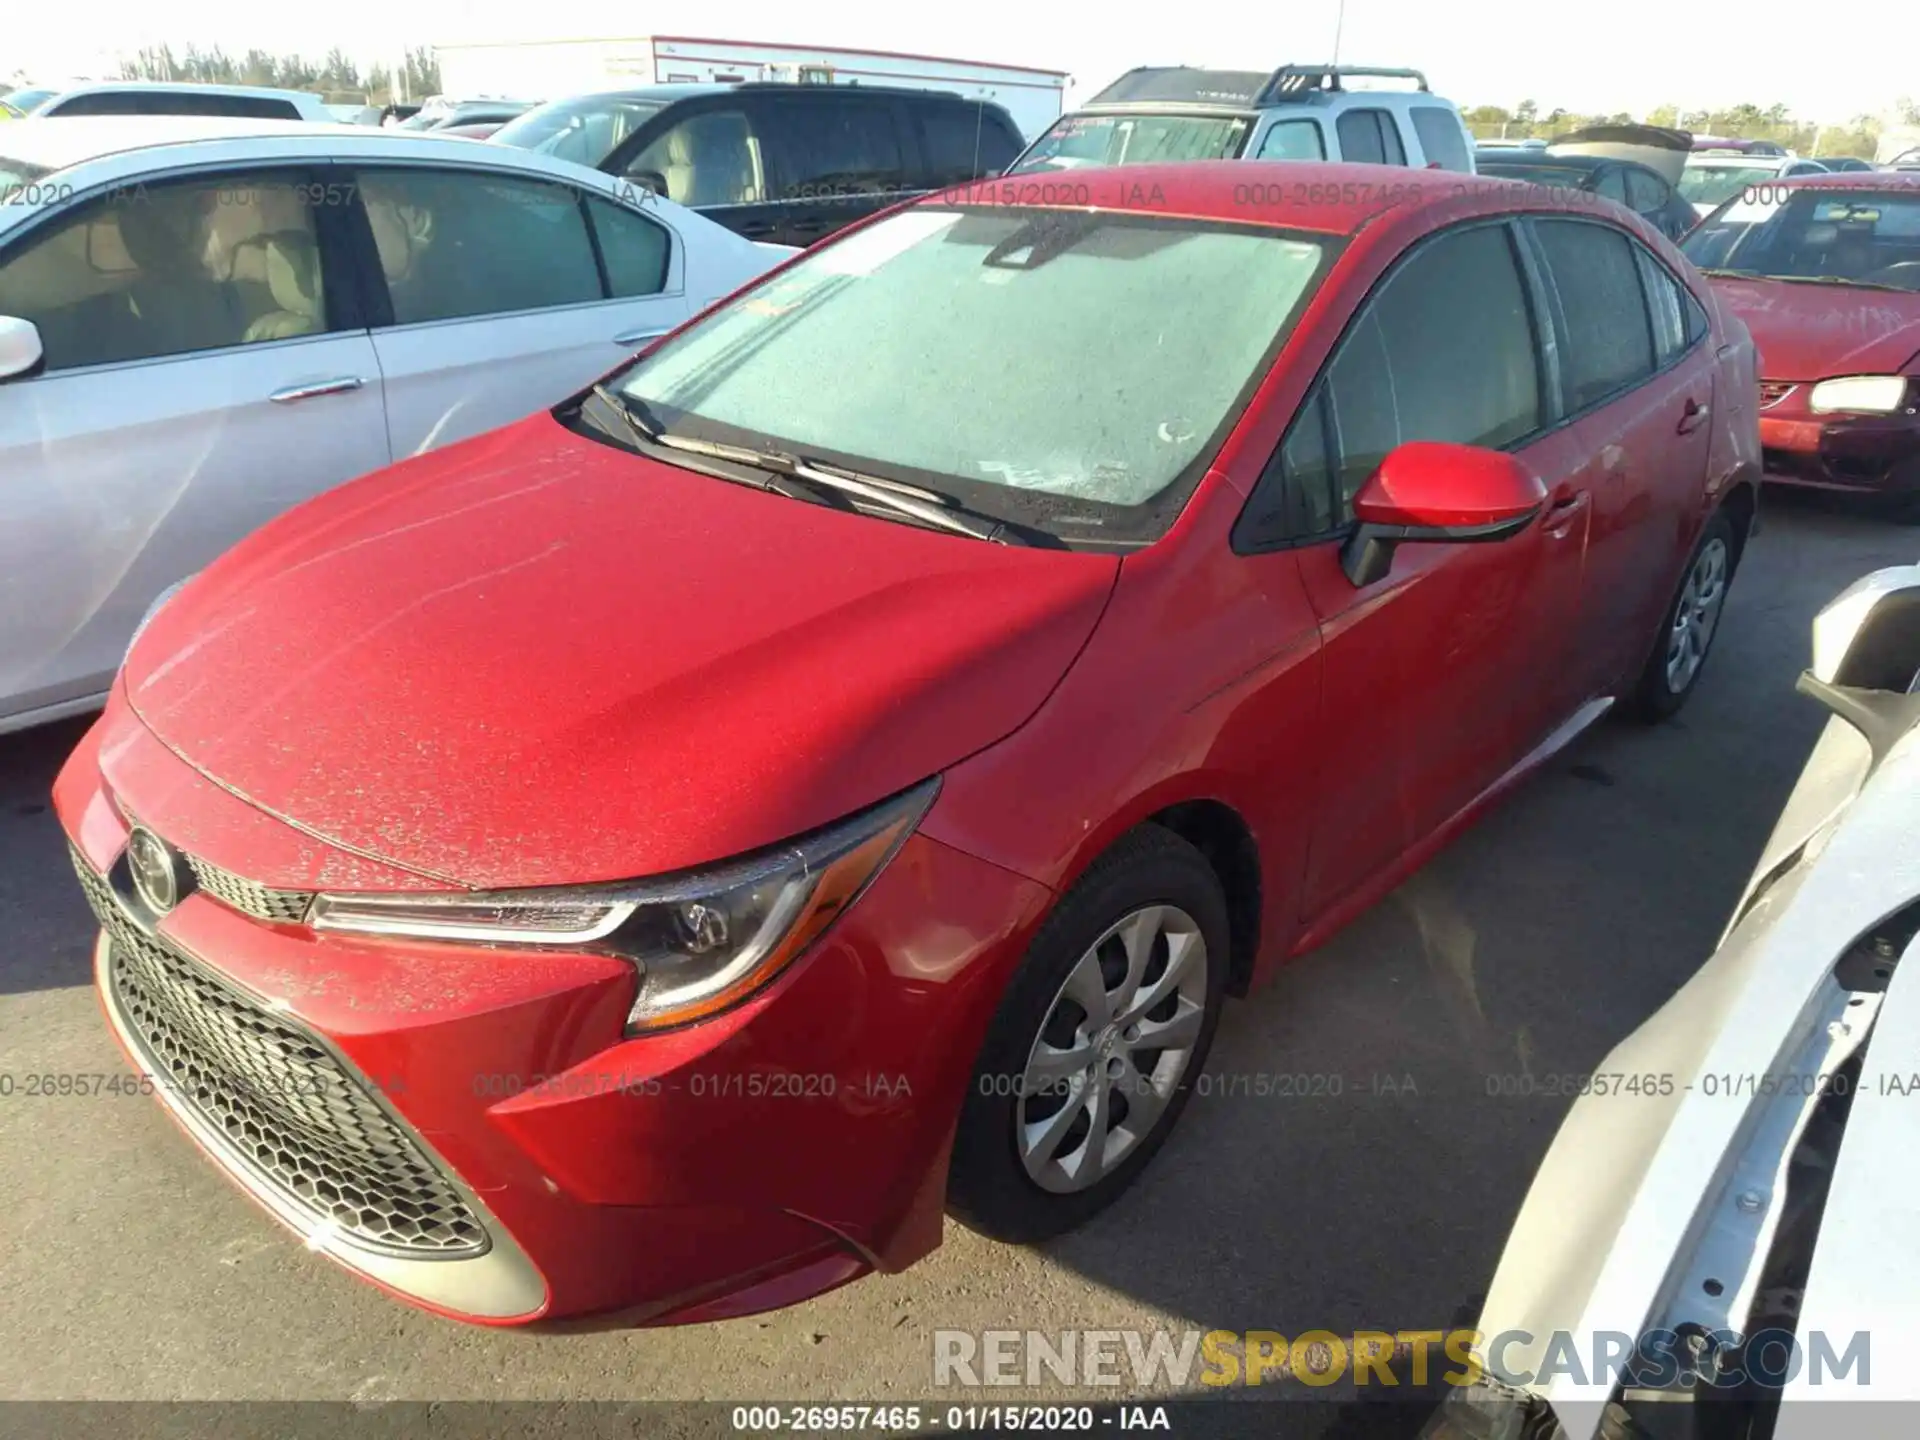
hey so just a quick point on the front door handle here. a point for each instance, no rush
(1693, 417)
(634, 337)
(337, 386)
(1567, 507)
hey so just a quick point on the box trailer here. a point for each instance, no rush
(554, 68)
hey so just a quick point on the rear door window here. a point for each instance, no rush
(455, 244)
(1608, 345)
(963, 142)
(1293, 140)
(1441, 136)
(838, 145)
(1612, 184)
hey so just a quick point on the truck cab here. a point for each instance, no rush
(1297, 112)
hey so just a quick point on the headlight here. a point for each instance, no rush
(701, 940)
(159, 603)
(1869, 394)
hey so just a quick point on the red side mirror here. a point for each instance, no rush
(1428, 485)
(1430, 491)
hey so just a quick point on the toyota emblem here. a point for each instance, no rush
(154, 878)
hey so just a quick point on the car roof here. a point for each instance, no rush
(178, 87)
(55, 143)
(693, 90)
(1263, 192)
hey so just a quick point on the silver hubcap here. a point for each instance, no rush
(1112, 1049)
(1695, 617)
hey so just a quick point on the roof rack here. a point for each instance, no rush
(1291, 80)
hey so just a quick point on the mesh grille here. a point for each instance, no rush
(1772, 392)
(284, 907)
(297, 1118)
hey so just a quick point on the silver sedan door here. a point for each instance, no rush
(203, 373)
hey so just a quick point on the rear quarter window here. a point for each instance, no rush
(1442, 137)
(960, 143)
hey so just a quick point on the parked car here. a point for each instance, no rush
(1845, 164)
(786, 163)
(203, 322)
(152, 97)
(516, 760)
(466, 112)
(1733, 1186)
(1298, 112)
(1622, 181)
(1825, 271)
(1712, 178)
(21, 102)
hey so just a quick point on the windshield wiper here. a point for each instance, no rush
(1838, 280)
(927, 506)
(1731, 274)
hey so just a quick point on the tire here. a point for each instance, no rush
(1157, 889)
(1666, 681)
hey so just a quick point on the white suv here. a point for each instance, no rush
(158, 97)
(1298, 112)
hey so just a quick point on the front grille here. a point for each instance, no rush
(1772, 392)
(296, 1117)
(249, 897)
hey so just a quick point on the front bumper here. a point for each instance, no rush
(768, 1154)
(1866, 453)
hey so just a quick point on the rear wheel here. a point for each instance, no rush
(1093, 1052)
(1693, 619)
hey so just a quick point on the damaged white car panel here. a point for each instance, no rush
(1748, 1182)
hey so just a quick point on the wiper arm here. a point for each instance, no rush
(903, 499)
(1732, 274)
(1837, 280)
(637, 425)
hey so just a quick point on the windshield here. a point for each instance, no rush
(1710, 184)
(1107, 139)
(1814, 234)
(1070, 371)
(584, 130)
(25, 100)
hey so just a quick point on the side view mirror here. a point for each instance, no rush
(1866, 656)
(1428, 491)
(20, 349)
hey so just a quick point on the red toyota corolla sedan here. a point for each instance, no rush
(1825, 272)
(661, 857)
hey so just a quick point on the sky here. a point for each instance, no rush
(1621, 55)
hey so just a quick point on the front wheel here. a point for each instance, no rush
(1095, 1047)
(1693, 619)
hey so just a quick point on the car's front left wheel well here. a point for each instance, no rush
(1217, 832)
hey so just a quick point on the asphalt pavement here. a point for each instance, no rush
(131, 1270)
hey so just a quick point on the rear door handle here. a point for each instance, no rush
(634, 337)
(1693, 417)
(337, 386)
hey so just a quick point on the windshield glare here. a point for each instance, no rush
(1077, 141)
(584, 130)
(1064, 370)
(1858, 235)
(1711, 184)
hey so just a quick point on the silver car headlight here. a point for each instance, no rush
(1865, 394)
(701, 941)
(159, 603)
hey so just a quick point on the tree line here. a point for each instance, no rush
(1859, 136)
(338, 78)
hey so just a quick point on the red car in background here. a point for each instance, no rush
(1825, 271)
(662, 856)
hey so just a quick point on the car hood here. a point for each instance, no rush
(1812, 332)
(534, 659)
